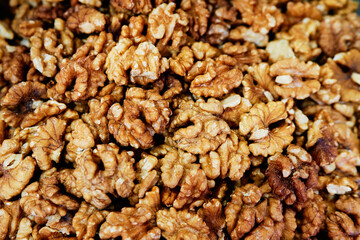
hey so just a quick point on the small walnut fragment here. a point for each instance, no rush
(134, 222)
(198, 16)
(267, 141)
(21, 100)
(214, 78)
(249, 214)
(144, 62)
(85, 19)
(206, 133)
(15, 169)
(47, 144)
(182, 62)
(290, 74)
(291, 175)
(87, 221)
(181, 224)
(87, 180)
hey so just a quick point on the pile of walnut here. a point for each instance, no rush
(194, 119)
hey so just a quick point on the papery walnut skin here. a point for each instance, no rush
(134, 222)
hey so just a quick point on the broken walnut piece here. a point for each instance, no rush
(15, 169)
(290, 75)
(144, 62)
(182, 62)
(92, 183)
(48, 143)
(10, 215)
(87, 221)
(214, 78)
(198, 14)
(135, 6)
(344, 222)
(88, 78)
(291, 175)
(212, 213)
(267, 141)
(125, 121)
(85, 19)
(249, 214)
(181, 223)
(15, 64)
(164, 26)
(43, 200)
(206, 133)
(134, 222)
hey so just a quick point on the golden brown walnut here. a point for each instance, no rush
(43, 200)
(134, 30)
(231, 159)
(344, 222)
(181, 224)
(14, 65)
(87, 221)
(296, 12)
(80, 138)
(337, 34)
(96, 118)
(198, 14)
(21, 100)
(313, 216)
(146, 174)
(206, 133)
(299, 41)
(211, 78)
(204, 50)
(134, 222)
(249, 214)
(182, 62)
(45, 52)
(174, 164)
(46, 109)
(144, 62)
(345, 71)
(135, 6)
(233, 107)
(87, 75)
(212, 213)
(291, 175)
(289, 75)
(258, 85)
(10, 215)
(15, 169)
(48, 143)
(347, 162)
(267, 141)
(164, 25)
(338, 184)
(92, 183)
(246, 53)
(290, 224)
(125, 121)
(85, 20)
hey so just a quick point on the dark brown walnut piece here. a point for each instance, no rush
(292, 175)
(15, 65)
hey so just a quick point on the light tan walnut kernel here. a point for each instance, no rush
(85, 20)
